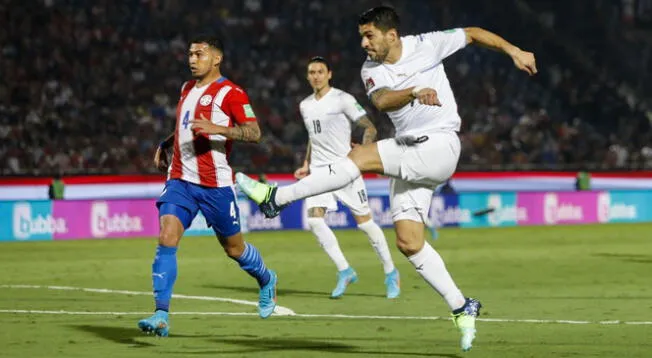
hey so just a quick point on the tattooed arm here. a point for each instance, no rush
(370, 132)
(245, 132)
(302, 172)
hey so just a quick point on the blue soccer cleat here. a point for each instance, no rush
(157, 324)
(267, 296)
(464, 320)
(344, 278)
(393, 284)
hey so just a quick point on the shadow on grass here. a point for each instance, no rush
(288, 291)
(280, 344)
(124, 335)
(636, 258)
(251, 343)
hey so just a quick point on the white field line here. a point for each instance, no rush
(343, 316)
(300, 315)
(279, 310)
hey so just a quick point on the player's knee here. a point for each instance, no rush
(366, 158)
(234, 249)
(408, 244)
(357, 155)
(169, 238)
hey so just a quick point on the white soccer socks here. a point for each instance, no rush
(379, 243)
(328, 242)
(432, 268)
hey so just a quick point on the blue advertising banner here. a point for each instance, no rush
(29, 220)
(624, 206)
(445, 210)
(491, 209)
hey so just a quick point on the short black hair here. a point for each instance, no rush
(211, 40)
(384, 18)
(319, 59)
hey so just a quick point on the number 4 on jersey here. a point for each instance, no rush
(186, 120)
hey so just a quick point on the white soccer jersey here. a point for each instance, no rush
(328, 121)
(420, 65)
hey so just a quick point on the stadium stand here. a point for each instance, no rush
(91, 87)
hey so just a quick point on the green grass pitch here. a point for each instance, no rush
(589, 274)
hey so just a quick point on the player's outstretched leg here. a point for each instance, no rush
(272, 200)
(344, 279)
(464, 320)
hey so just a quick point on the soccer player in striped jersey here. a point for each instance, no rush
(211, 113)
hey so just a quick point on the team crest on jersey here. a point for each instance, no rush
(205, 100)
(369, 83)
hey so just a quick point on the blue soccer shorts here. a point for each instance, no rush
(218, 205)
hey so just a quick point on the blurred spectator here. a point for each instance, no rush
(91, 87)
(56, 189)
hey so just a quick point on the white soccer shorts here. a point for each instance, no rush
(353, 196)
(416, 170)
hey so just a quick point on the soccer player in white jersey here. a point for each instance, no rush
(404, 76)
(327, 115)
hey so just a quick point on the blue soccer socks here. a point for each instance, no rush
(252, 262)
(164, 274)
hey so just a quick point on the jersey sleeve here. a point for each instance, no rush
(446, 42)
(374, 79)
(351, 108)
(239, 107)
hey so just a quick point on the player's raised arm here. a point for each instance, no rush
(523, 60)
(386, 100)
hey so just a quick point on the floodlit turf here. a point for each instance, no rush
(581, 273)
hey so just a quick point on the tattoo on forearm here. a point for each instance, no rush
(244, 133)
(308, 151)
(370, 132)
(375, 96)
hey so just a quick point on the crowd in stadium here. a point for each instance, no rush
(93, 88)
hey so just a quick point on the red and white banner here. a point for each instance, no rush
(150, 186)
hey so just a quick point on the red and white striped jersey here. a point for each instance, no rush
(203, 159)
